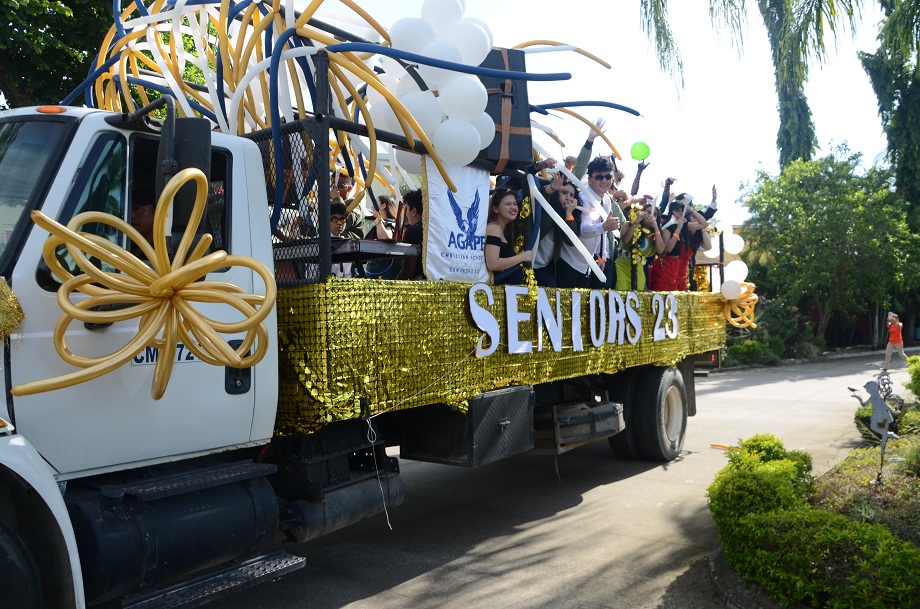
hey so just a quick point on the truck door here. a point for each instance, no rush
(112, 421)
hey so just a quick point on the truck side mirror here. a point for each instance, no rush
(188, 145)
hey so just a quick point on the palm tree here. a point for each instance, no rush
(796, 30)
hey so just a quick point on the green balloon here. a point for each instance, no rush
(640, 151)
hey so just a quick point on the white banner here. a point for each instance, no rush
(455, 224)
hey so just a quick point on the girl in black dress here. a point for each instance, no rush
(499, 251)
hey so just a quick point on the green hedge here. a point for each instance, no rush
(771, 536)
(825, 560)
(913, 369)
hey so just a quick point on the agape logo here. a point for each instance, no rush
(466, 239)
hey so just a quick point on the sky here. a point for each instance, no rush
(719, 128)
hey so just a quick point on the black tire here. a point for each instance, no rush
(19, 578)
(660, 414)
(622, 389)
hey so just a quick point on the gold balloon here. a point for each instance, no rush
(161, 294)
(739, 312)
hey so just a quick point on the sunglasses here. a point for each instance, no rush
(601, 176)
(338, 219)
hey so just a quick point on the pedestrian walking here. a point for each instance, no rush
(895, 339)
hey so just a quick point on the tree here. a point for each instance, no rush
(796, 31)
(840, 241)
(47, 47)
(892, 69)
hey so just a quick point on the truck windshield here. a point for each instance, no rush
(27, 151)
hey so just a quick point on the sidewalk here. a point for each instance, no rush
(879, 353)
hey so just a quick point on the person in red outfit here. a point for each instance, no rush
(895, 339)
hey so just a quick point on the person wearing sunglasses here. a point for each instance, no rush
(594, 231)
(338, 219)
(341, 191)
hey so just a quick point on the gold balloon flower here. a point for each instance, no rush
(739, 312)
(161, 294)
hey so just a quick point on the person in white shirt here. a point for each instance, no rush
(572, 269)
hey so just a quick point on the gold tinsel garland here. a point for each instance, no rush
(701, 276)
(402, 344)
(11, 314)
(639, 231)
(530, 279)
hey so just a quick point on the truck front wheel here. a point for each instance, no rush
(19, 578)
(660, 414)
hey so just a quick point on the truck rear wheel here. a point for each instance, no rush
(660, 414)
(622, 389)
(19, 579)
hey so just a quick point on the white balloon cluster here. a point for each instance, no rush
(455, 120)
(736, 271)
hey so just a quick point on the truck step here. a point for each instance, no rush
(167, 486)
(210, 587)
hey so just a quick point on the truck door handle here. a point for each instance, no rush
(237, 381)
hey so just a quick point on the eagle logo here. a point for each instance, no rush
(467, 227)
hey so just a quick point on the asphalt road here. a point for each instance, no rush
(584, 530)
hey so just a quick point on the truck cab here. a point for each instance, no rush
(65, 161)
(98, 168)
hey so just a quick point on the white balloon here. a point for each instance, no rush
(445, 51)
(372, 35)
(384, 117)
(411, 34)
(463, 97)
(409, 161)
(424, 107)
(712, 252)
(442, 14)
(485, 125)
(456, 142)
(725, 227)
(484, 26)
(472, 41)
(736, 270)
(733, 243)
(405, 85)
(391, 66)
(388, 81)
(731, 289)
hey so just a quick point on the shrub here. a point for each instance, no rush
(826, 560)
(807, 350)
(913, 369)
(800, 553)
(761, 449)
(760, 477)
(737, 492)
(909, 422)
(747, 353)
(775, 344)
(911, 464)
